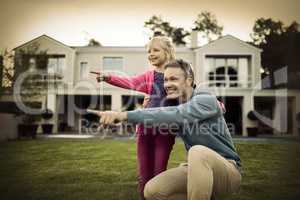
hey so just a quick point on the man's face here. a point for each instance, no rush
(175, 83)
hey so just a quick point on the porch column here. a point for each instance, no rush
(280, 123)
(247, 105)
(296, 124)
(116, 102)
(52, 105)
(294, 116)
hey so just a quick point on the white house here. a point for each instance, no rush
(228, 67)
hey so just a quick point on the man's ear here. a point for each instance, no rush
(189, 81)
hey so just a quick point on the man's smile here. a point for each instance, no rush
(171, 90)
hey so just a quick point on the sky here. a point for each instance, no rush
(121, 22)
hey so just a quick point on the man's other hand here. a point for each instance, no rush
(109, 117)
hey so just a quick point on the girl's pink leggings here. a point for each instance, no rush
(153, 151)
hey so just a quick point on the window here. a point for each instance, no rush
(227, 71)
(56, 64)
(84, 70)
(113, 63)
(226, 76)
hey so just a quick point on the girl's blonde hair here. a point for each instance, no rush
(166, 45)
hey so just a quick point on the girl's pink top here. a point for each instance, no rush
(142, 83)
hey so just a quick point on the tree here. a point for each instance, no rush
(1, 74)
(31, 72)
(93, 42)
(6, 69)
(281, 47)
(264, 27)
(32, 81)
(161, 27)
(207, 24)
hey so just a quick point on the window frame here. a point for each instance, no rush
(110, 68)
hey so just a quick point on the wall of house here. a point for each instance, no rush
(8, 126)
(134, 63)
(135, 58)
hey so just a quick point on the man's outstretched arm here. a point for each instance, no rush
(199, 108)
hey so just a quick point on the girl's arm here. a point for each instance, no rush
(137, 83)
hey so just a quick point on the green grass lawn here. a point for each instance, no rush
(106, 169)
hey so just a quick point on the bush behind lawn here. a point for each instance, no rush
(91, 169)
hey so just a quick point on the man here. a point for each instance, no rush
(213, 165)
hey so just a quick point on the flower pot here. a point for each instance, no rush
(252, 131)
(27, 130)
(47, 128)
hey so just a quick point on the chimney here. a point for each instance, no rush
(194, 39)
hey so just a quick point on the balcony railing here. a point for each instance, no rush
(228, 81)
(55, 78)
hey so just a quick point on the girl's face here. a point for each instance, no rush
(156, 54)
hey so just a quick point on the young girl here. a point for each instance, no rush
(153, 146)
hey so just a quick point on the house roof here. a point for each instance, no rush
(181, 49)
(231, 37)
(43, 36)
(121, 49)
